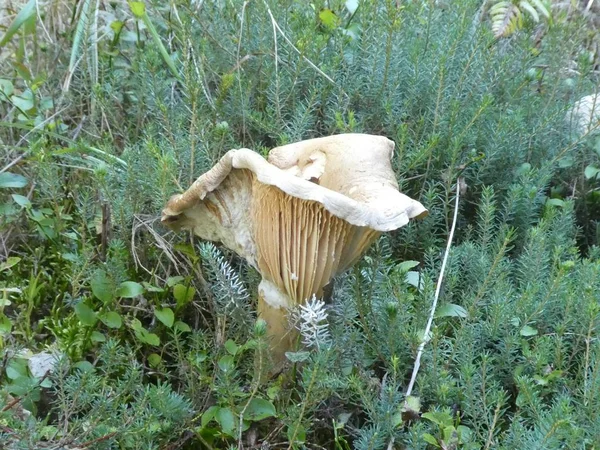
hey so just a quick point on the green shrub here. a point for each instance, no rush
(159, 341)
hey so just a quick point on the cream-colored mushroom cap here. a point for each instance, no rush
(300, 218)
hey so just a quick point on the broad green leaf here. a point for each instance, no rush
(528, 331)
(566, 162)
(86, 315)
(146, 337)
(555, 202)
(111, 319)
(84, 366)
(26, 12)
(5, 325)
(209, 415)
(328, 18)
(451, 310)
(231, 347)
(11, 261)
(138, 9)
(591, 172)
(414, 279)
(412, 404)
(154, 359)
(17, 367)
(183, 294)
(151, 288)
(430, 440)
(182, 326)
(129, 289)
(259, 409)
(6, 88)
(172, 281)
(226, 363)
(165, 315)
(21, 200)
(103, 287)
(98, 337)
(24, 101)
(152, 339)
(405, 266)
(12, 180)
(296, 434)
(443, 419)
(226, 419)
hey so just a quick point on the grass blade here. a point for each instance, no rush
(139, 11)
(25, 13)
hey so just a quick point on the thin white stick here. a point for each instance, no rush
(438, 288)
(310, 63)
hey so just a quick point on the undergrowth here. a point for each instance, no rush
(108, 108)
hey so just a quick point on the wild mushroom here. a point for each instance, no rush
(301, 218)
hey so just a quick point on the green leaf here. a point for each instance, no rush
(555, 202)
(439, 418)
(226, 363)
(259, 409)
(172, 281)
(84, 366)
(5, 325)
(6, 88)
(165, 315)
(10, 262)
(412, 404)
(152, 339)
(98, 337)
(26, 12)
(328, 18)
(111, 319)
(451, 310)
(591, 172)
(103, 287)
(528, 331)
(566, 162)
(138, 9)
(231, 347)
(182, 326)
(154, 359)
(226, 419)
(86, 315)
(24, 101)
(296, 434)
(12, 180)
(129, 289)
(414, 279)
(209, 415)
(146, 337)
(22, 201)
(430, 440)
(405, 266)
(183, 294)
(17, 367)
(151, 288)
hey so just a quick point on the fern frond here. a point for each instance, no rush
(507, 15)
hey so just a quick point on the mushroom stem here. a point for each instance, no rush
(273, 307)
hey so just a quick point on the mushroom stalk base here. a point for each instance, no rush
(274, 307)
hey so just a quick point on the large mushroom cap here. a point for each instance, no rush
(301, 217)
